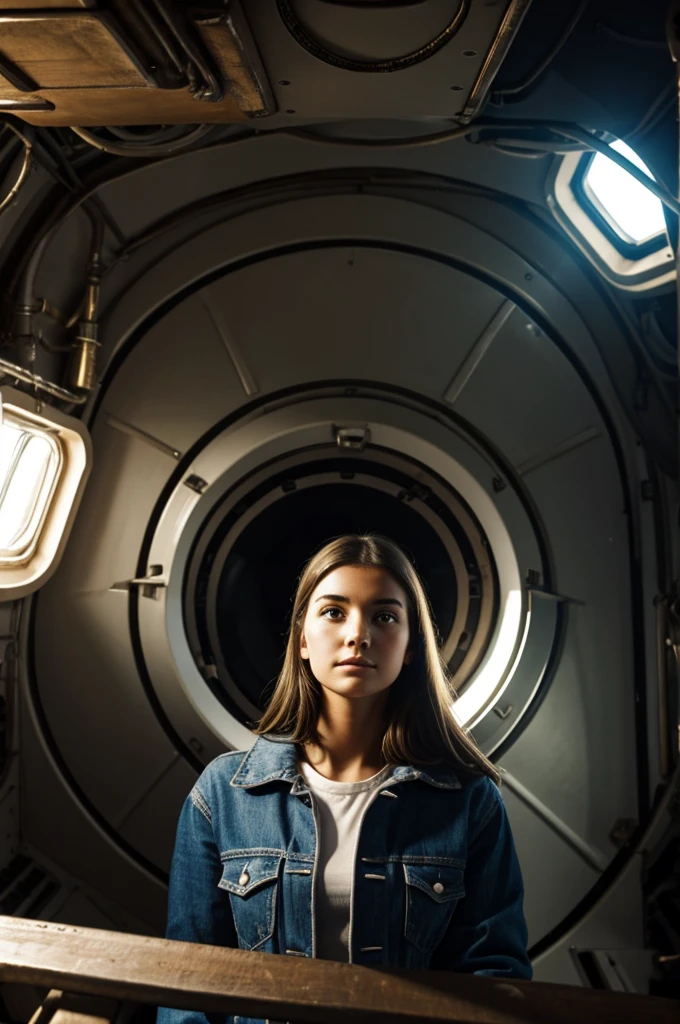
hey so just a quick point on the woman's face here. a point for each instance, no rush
(355, 633)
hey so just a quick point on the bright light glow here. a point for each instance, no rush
(634, 212)
(30, 460)
(494, 676)
(45, 458)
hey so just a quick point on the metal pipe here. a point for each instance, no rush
(163, 41)
(131, 149)
(8, 369)
(26, 306)
(213, 88)
(86, 345)
(24, 167)
(23, 280)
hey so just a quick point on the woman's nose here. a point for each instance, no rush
(358, 634)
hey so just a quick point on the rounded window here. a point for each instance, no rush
(615, 221)
(626, 211)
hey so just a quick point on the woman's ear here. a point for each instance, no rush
(304, 651)
(408, 657)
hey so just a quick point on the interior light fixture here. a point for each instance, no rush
(45, 457)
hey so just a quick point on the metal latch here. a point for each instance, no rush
(151, 583)
(353, 437)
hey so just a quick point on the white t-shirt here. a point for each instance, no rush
(341, 807)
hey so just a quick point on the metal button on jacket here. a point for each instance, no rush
(438, 887)
(244, 878)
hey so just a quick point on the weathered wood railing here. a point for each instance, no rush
(97, 976)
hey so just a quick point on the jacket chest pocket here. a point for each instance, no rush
(432, 892)
(252, 881)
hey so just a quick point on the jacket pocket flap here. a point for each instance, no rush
(245, 873)
(441, 882)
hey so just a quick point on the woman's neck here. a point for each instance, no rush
(350, 734)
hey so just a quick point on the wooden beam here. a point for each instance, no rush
(213, 979)
(70, 50)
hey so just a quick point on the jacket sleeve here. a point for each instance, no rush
(487, 934)
(197, 910)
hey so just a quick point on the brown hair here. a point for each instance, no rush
(422, 728)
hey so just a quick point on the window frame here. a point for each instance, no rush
(24, 555)
(640, 271)
(22, 576)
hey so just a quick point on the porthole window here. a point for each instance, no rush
(615, 221)
(632, 214)
(30, 465)
(44, 459)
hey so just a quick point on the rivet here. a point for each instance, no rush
(438, 887)
(244, 878)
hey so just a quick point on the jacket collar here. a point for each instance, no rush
(272, 758)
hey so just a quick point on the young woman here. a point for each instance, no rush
(364, 825)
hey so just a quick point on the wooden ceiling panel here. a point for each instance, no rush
(78, 63)
(71, 49)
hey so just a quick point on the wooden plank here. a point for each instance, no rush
(69, 49)
(213, 979)
(247, 93)
(91, 107)
(234, 53)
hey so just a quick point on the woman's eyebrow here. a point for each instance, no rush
(339, 597)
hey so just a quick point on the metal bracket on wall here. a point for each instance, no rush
(151, 583)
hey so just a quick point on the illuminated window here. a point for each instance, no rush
(30, 462)
(631, 210)
(615, 221)
(44, 461)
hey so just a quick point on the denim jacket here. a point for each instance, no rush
(437, 883)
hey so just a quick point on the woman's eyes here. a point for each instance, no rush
(325, 612)
(390, 616)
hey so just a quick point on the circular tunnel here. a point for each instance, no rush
(271, 489)
(246, 563)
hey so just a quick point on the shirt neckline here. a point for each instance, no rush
(318, 781)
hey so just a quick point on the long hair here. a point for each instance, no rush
(421, 726)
